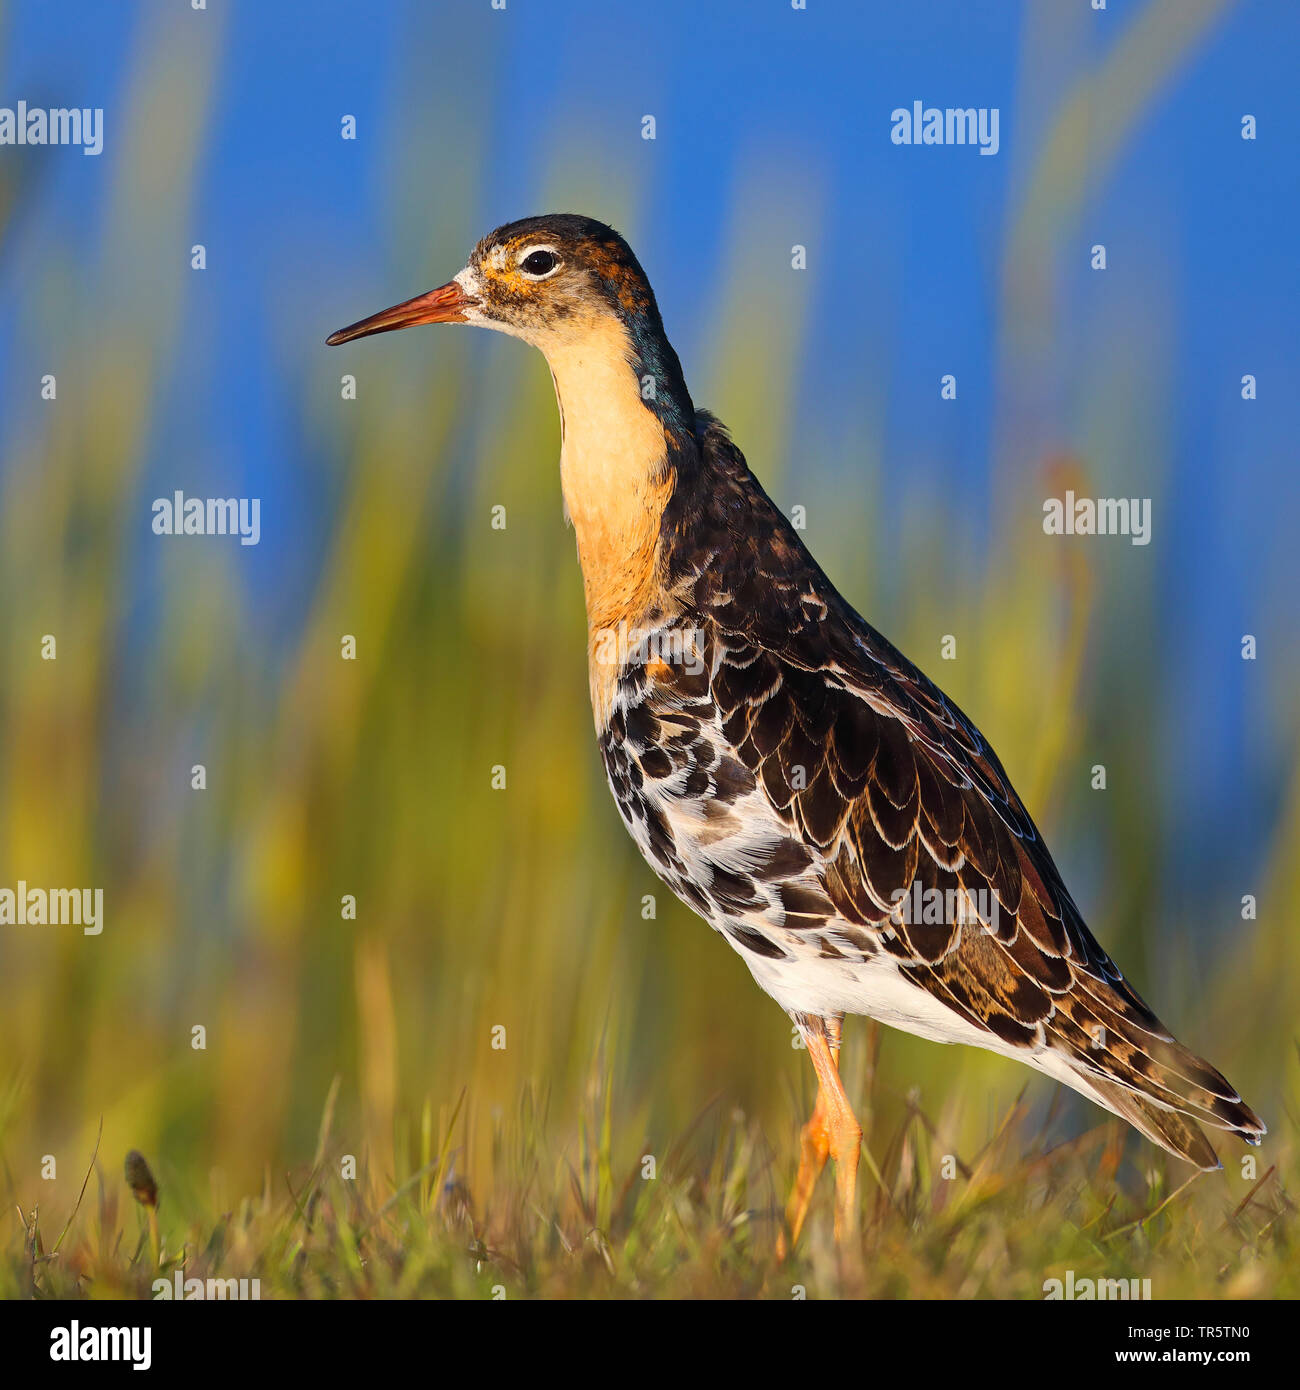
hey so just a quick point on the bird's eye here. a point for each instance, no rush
(539, 263)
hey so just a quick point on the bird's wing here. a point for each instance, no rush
(890, 785)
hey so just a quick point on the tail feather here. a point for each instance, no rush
(1158, 1102)
(1168, 1128)
(1099, 1041)
(1137, 1069)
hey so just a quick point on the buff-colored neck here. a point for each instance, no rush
(616, 483)
(613, 469)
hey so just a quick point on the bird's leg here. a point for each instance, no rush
(844, 1134)
(814, 1146)
(832, 1131)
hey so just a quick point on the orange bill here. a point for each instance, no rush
(443, 305)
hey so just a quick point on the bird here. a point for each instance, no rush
(792, 776)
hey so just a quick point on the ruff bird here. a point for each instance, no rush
(788, 773)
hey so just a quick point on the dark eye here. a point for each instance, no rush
(539, 263)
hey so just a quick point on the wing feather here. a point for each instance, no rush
(887, 785)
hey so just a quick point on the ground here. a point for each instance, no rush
(592, 1219)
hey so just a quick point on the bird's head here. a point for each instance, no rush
(554, 281)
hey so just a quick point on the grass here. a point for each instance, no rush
(578, 1213)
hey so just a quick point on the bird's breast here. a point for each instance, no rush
(696, 810)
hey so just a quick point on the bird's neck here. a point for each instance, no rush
(614, 470)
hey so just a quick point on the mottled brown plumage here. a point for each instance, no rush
(879, 782)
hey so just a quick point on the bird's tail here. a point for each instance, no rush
(1171, 1129)
(1163, 1089)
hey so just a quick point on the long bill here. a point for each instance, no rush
(443, 305)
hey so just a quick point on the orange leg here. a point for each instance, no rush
(833, 1131)
(814, 1147)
